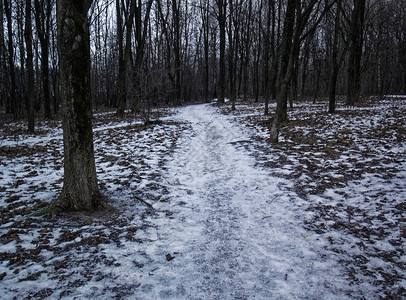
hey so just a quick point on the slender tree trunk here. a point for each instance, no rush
(3, 64)
(355, 55)
(30, 67)
(141, 30)
(80, 189)
(11, 103)
(284, 79)
(176, 50)
(334, 62)
(122, 89)
(43, 10)
(222, 17)
(206, 28)
(231, 62)
(268, 49)
(124, 53)
(247, 51)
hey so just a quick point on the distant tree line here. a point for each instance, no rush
(154, 52)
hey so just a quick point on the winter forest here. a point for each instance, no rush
(203, 149)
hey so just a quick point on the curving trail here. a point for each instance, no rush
(235, 231)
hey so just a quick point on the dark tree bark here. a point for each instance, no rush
(171, 44)
(11, 99)
(258, 51)
(43, 10)
(283, 82)
(233, 40)
(290, 50)
(205, 21)
(3, 64)
(141, 31)
(176, 51)
(336, 61)
(30, 67)
(80, 189)
(124, 50)
(222, 20)
(246, 41)
(269, 51)
(355, 52)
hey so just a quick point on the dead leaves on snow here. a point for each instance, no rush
(357, 147)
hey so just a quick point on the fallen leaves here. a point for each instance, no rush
(349, 167)
(169, 257)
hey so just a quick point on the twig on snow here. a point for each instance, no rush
(143, 201)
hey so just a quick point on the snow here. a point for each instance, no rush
(317, 217)
(235, 234)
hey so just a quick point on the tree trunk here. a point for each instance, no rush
(222, 17)
(283, 81)
(176, 50)
(11, 101)
(80, 189)
(231, 62)
(43, 10)
(141, 31)
(124, 53)
(3, 64)
(206, 29)
(355, 55)
(269, 47)
(334, 62)
(30, 67)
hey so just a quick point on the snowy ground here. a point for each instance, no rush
(320, 216)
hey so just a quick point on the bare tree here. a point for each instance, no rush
(233, 42)
(11, 99)
(222, 21)
(128, 9)
(336, 58)
(204, 11)
(286, 46)
(141, 32)
(43, 10)
(3, 64)
(355, 51)
(30, 67)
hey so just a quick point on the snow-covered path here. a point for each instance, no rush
(236, 232)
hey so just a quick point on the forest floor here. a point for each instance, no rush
(321, 215)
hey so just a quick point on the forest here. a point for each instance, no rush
(202, 149)
(150, 53)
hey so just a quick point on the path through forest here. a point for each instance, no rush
(236, 231)
(319, 216)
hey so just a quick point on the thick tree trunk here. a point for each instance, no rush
(80, 189)
(30, 67)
